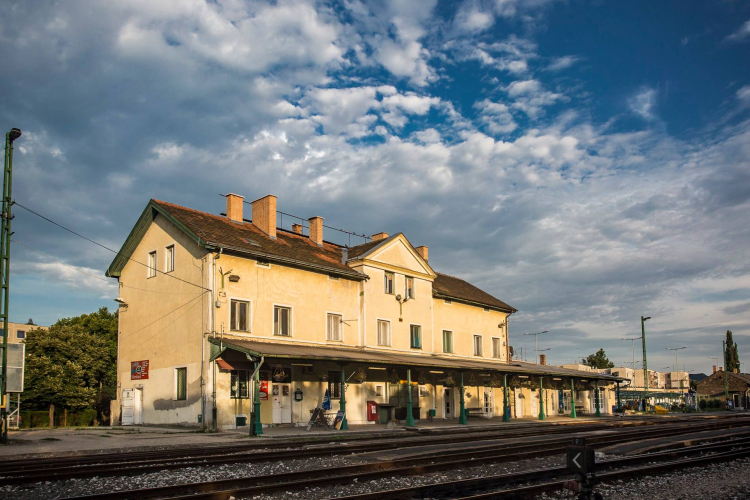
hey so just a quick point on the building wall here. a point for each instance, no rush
(163, 324)
(14, 328)
(465, 321)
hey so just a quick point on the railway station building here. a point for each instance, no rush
(219, 314)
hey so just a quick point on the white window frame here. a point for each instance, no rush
(413, 294)
(481, 345)
(341, 328)
(385, 282)
(421, 344)
(167, 259)
(151, 268)
(291, 320)
(174, 382)
(499, 347)
(451, 351)
(390, 331)
(249, 314)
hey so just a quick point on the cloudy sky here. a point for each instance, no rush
(585, 161)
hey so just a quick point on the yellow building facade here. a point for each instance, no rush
(218, 312)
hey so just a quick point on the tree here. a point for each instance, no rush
(73, 364)
(598, 360)
(733, 356)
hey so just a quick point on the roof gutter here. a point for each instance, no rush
(439, 295)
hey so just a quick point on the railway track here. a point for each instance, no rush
(130, 463)
(413, 466)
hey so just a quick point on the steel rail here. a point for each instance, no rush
(347, 474)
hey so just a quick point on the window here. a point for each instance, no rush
(416, 336)
(240, 315)
(478, 345)
(152, 264)
(181, 384)
(282, 321)
(384, 332)
(496, 348)
(20, 334)
(334, 385)
(448, 301)
(169, 259)
(240, 388)
(486, 309)
(408, 287)
(334, 326)
(262, 263)
(447, 341)
(388, 283)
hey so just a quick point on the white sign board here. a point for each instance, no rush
(15, 367)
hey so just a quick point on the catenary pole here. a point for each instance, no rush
(5, 270)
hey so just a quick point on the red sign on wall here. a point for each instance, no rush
(139, 370)
(263, 386)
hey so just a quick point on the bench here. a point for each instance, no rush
(476, 413)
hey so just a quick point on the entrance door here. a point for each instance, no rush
(282, 403)
(127, 407)
(534, 403)
(138, 406)
(489, 403)
(448, 401)
(519, 405)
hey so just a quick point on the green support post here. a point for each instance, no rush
(619, 402)
(726, 382)
(5, 270)
(462, 404)
(572, 399)
(645, 362)
(506, 408)
(409, 415)
(342, 401)
(598, 411)
(257, 426)
(542, 416)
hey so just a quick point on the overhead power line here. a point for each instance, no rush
(104, 246)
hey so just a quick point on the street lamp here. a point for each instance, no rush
(676, 350)
(536, 344)
(633, 342)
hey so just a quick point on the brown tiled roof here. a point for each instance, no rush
(362, 249)
(456, 288)
(247, 238)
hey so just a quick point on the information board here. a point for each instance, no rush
(139, 370)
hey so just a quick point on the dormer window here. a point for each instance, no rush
(388, 282)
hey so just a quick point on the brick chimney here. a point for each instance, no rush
(379, 236)
(297, 228)
(542, 359)
(423, 252)
(714, 368)
(264, 215)
(316, 230)
(234, 207)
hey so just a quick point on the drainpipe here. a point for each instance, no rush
(212, 306)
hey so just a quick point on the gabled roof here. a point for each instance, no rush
(372, 249)
(450, 287)
(214, 231)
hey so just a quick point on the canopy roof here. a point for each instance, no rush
(381, 357)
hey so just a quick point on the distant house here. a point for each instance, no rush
(738, 387)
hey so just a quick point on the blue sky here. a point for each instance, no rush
(586, 162)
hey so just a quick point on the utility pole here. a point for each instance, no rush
(645, 363)
(633, 343)
(536, 344)
(5, 272)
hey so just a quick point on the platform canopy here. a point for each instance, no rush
(377, 357)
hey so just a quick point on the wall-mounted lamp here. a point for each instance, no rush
(234, 278)
(121, 301)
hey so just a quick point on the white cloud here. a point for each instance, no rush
(496, 117)
(428, 136)
(743, 94)
(531, 97)
(741, 34)
(561, 63)
(471, 18)
(643, 103)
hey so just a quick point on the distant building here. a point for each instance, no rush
(712, 387)
(18, 331)
(16, 335)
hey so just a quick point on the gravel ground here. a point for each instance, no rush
(388, 483)
(89, 486)
(721, 481)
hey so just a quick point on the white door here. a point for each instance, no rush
(489, 403)
(127, 407)
(534, 403)
(138, 407)
(282, 403)
(448, 402)
(519, 405)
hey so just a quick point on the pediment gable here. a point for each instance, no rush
(398, 253)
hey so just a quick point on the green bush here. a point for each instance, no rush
(703, 404)
(82, 418)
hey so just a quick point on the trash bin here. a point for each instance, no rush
(383, 414)
(240, 421)
(433, 413)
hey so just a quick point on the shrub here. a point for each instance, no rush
(703, 404)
